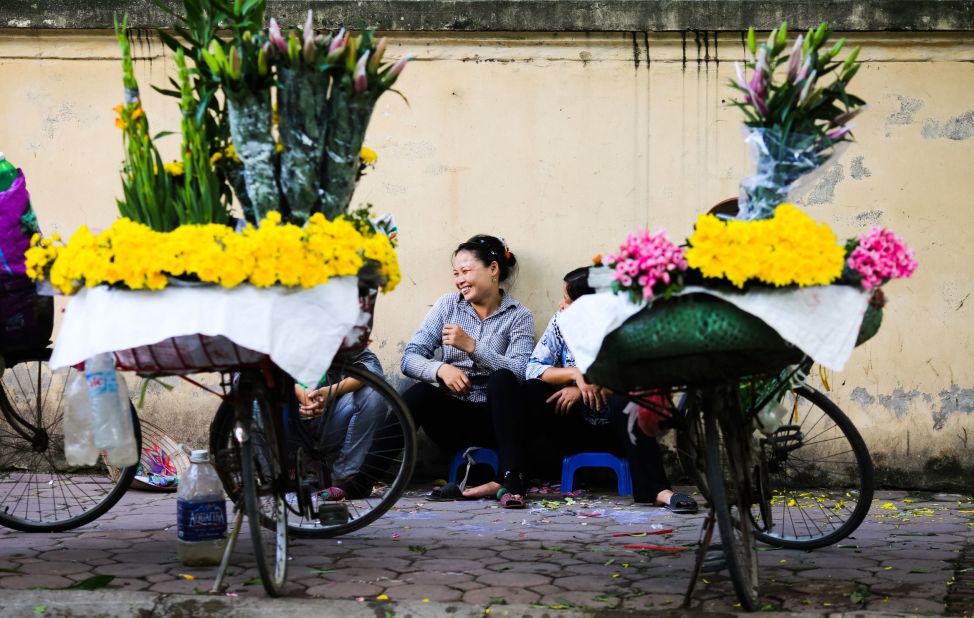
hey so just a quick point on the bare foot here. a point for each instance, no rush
(663, 497)
(487, 490)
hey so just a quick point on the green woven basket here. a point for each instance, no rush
(694, 339)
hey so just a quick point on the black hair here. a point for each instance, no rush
(489, 249)
(576, 283)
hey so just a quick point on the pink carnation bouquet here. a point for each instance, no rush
(647, 265)
(878, 256)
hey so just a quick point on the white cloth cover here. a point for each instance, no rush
(822, 321)
(300, 329)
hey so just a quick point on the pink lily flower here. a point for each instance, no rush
(361, 81)
(274, 33)
(807, 88)
(804, 70)
(309, 30)
(400, 65)
(380, 49)
(740, 75)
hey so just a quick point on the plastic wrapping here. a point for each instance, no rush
(302, 104)
(250, 126)
(785, 164)
(348, 118)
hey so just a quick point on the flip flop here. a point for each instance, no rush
(509, 500)
(681, 503)
(450, 492)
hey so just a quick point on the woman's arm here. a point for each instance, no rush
(417, 359)
(547, 356)
(519, 347)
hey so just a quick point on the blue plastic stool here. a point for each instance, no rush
(596, 460)
(480, 455)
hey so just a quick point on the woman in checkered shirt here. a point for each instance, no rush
(471, 397)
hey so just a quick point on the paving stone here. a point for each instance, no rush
(504, 566)
(128, 583)
(182, 586)
(23, 582)
(448, 565)
(436, 578)
(525, 580)
(910, 605)
(344, 590)
(54, 568)
(418, 592)
(124, 569)
(584, 582)
(367, 576)
(484, 596)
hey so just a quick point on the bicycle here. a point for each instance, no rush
(39, 491)
(388, 465)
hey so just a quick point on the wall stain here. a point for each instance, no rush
(908, 107)
(899, 401)
(586, 57)
(824, 189)
(956, 400)
(646, 45)
(635, 51)
(958, 128)
(869, 217)
(862, 396)
(858, 170)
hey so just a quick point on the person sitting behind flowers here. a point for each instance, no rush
(583, 417)
(341, 420)
(472, 396)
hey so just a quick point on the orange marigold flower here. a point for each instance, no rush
(121, 124)
(597, 260)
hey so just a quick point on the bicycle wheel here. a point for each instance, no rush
(262, 480)
(39, 491)
(819, 474)
(730, 490)
(388, 464)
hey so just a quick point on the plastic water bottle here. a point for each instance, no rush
(110, 411)
(79, 441)
(773, 416)
(8, 173)
(201, 513)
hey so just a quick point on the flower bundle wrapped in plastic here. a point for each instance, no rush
(878, 256)
(647, 264)
(134, 256)
(788, 249)
(795, 122)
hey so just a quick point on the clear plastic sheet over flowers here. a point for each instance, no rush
(786, 163)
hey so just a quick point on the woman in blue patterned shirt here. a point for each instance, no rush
(472, 396)
(583, 417)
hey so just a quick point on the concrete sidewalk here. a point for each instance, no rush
(912, 555)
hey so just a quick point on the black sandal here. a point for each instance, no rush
(450, 492)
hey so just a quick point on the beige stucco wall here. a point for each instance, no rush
(561, 144)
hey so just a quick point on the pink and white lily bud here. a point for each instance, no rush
(338, 41)
(309, 50)
(803, 72)
(807, 88)
(740, 75)
(376, 59)
(400, 65)
(762, 63)
(309, 29)
(794, 61)
(360, 80)
(274, 34)
(836, 134)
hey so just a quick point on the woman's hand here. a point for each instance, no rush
(565, 399)
(458, 338)
(455, 380)
(594, 396)
(310, 404)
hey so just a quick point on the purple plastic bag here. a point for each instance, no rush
(17, 225)
(26, 319)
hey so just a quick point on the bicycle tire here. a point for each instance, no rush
(261, 470)
(831, 454)
(39, 491)
(361, 511)
(729, 489)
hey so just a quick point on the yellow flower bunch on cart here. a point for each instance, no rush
(132, 255)
(788, 249)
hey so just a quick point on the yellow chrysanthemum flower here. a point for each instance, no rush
(788, 249)
(133, 255)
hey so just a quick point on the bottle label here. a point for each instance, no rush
(201, 521)
(100, 382)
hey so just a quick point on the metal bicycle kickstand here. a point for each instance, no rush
(706, 536)
(231, 543)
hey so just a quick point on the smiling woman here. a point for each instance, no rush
(471, 396)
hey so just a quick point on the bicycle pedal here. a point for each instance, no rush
(332, 514)
(786, 438)
(714, 560)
